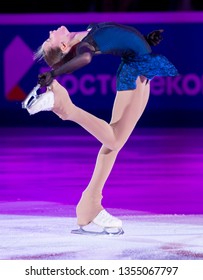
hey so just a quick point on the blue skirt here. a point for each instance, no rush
(148, 65)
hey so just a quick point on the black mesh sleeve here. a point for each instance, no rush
(84, 54)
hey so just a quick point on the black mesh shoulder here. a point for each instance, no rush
(85, 47)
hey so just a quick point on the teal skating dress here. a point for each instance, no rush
(127, 42)
(136, 54)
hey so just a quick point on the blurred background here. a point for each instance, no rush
(174, 102)
(66, 6)
(42, 160)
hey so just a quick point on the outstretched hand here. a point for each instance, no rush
(155, 37)
(45, 79)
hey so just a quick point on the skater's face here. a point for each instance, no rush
(58, 38)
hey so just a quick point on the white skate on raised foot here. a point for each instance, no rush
(35, 103)
(110, 224)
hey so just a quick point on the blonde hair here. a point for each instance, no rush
(51, 57)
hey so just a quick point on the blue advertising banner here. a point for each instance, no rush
(173, 101)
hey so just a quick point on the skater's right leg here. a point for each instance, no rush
(127, 110)
(128, 107)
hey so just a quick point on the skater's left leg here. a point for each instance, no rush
(126, 112)
(90, 203)
(128, 108)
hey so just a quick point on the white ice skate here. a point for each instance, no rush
(110, 224)
(35, 103)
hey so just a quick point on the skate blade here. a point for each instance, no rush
(105, 231)
(31, 98)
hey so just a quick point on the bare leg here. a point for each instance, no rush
(128, 107)
(90, 203)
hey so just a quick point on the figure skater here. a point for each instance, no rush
(65, 52)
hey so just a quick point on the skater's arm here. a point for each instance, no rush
(74, 64)
(154, 37)
(84, 54)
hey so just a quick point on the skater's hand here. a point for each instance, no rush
(45, 79)
(155, 37)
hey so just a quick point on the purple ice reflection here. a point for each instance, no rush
(159, 171)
